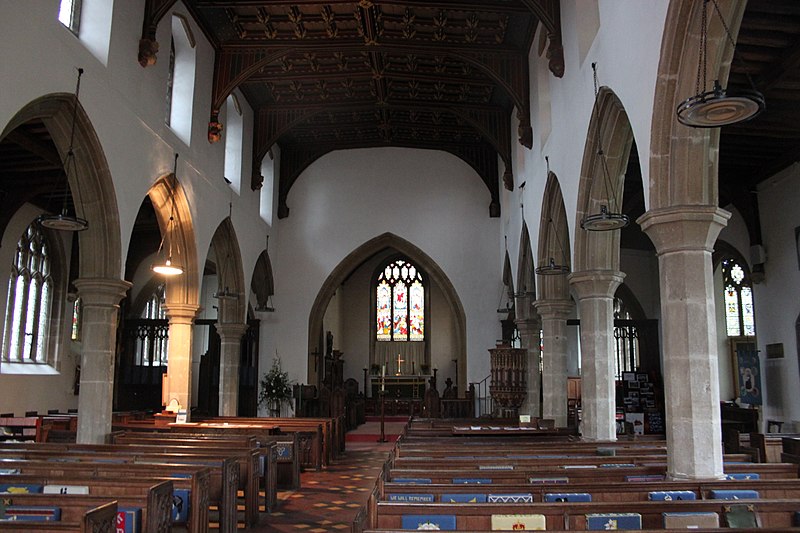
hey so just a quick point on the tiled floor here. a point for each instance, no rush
(329, 500)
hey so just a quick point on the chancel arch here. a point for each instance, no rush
(351, 286)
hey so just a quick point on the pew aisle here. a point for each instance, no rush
(330, 500)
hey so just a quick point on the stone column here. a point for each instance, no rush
(595, 290)
(529, 339)
(554, 315)
(684, 237)
(179, 353)
(100, 298)
(230, 335)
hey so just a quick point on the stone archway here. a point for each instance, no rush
(230, 273)
(597, 275)
(91, 185)
(387, 241)
(553, 241)
(554, 304)
(182, 292)
(231, 320)
(609, 130)
(100, 285)
(683, 221)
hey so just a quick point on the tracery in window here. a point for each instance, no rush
(739, 313)
(30, 295)
(69, 14)
(400, 303)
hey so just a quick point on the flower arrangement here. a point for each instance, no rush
(276, 388)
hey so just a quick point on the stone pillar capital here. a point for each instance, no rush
(232, 330)
(179, 313)
(684, 227)
(554, 309)
(101, 292)
(596, 283)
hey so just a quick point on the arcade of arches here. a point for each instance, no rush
(400, 216)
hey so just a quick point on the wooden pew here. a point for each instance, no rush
(133, 485)
(572, 516)
(602, 490)
(245, 462)
(287, 462)
(206, 486)
(96, 519)
(333, 430)
(21, 428)
(155, 503)
(765, 470)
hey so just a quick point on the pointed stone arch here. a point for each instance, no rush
(262, 284)
(553, 240)
(183, 290)
(609, 131)
(387, 241)
(91, 185)
(526, 278)
(683, 160)
(230, 273)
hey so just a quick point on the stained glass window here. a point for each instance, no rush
(739, 314)
(29, 300)
(400, 303)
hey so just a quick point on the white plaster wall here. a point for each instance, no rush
(776, 299)
(429, 198)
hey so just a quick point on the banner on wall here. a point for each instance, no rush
(749, 375)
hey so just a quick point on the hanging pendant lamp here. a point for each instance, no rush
(717, 107)
(551, 268)
(66, 221)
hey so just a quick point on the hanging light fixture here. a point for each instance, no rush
(168, 267)
(717, 107)
(64, 221)
(605, 220)
(551, 268)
